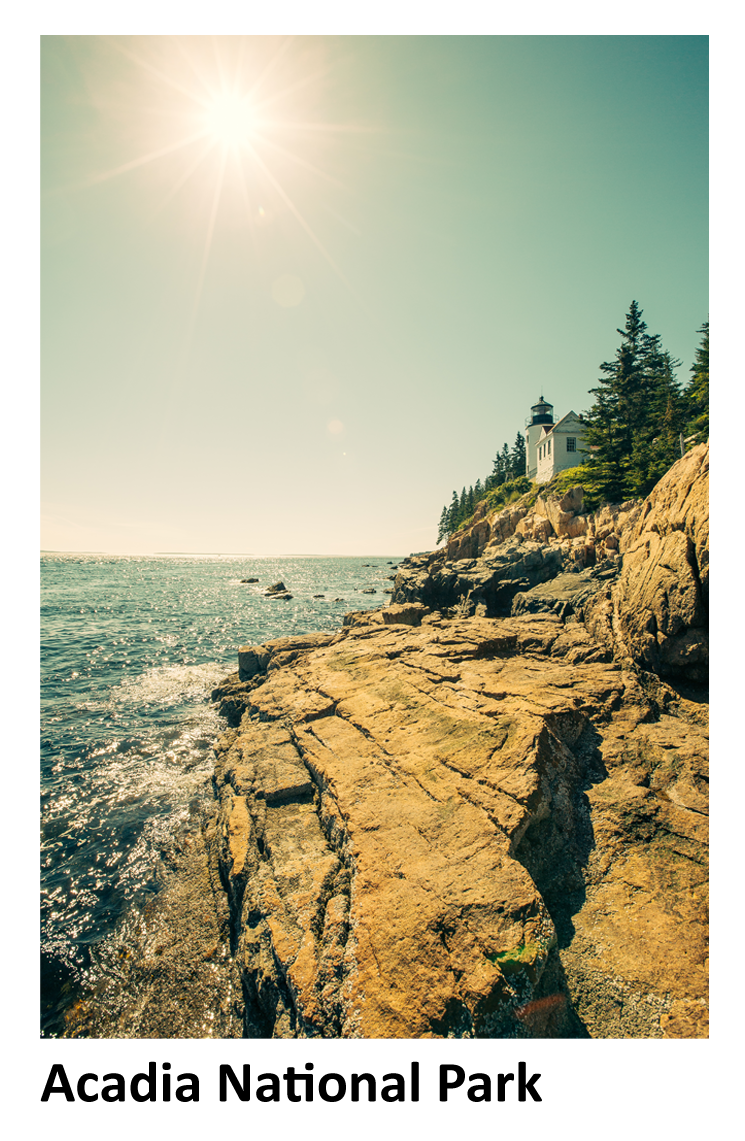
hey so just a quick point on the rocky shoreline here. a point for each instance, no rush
(481, 810)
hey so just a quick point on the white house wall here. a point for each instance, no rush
(559, 459)
(532, 432)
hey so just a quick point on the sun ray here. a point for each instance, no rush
(299, 85)
(300, 161)
(246, 198)
(227, 101)
(183, 357)
(335, 128)
(206, 251)
(133, 164)
(219, 64)
(316, 241)
(283, 47)
(184, 178)
(241, 54)
(188, 59)
(147, 66)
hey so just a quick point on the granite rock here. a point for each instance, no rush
(657, 613)
(449, 820)
(426, 831)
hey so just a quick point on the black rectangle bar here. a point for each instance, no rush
(404, 1081)
(151, 1082)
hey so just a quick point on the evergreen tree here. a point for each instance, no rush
(442, 530)
(517, 457)
(696, 396)
(453, 514)
(632, 426)
(498, 474)
(668, 410)
(655, 439)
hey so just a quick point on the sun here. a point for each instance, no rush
(231, 120)
(234, 116)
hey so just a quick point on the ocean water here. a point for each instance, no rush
(131, 647)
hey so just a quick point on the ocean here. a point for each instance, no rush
(131, 647)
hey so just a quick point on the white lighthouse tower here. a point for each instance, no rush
(542, 416)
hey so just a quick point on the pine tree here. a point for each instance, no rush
(517, 457)
(696, 396)
(655, 439)
(631, 426)
(453, 514)
(668, 409)
(442, 530)
(498, 475)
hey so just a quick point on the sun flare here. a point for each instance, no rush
(231, 120)
(236, 126)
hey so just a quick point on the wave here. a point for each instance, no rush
(169, 685)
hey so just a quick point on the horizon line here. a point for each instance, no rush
(223, 554)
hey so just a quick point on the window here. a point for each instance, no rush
(571, 443)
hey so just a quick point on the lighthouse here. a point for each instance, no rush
(542, 415)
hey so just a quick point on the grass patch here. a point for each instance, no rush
(524, 958)
(509, 492)
(515, 959)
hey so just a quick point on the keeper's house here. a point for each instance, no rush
(550, 447)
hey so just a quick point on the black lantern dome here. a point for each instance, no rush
(543, 412)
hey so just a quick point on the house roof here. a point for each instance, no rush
(567, 422)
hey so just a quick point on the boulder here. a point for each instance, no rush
(484, 586)
(409, 614)
(363, 618)
(657, 612)
(561, 513)
(252, 660)
(564, 595)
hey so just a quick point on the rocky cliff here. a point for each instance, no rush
(481, 811)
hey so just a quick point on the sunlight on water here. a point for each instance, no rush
(167, 684)
(131, 650)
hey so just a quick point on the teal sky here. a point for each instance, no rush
(299, 332)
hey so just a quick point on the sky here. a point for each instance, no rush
(297, 290)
